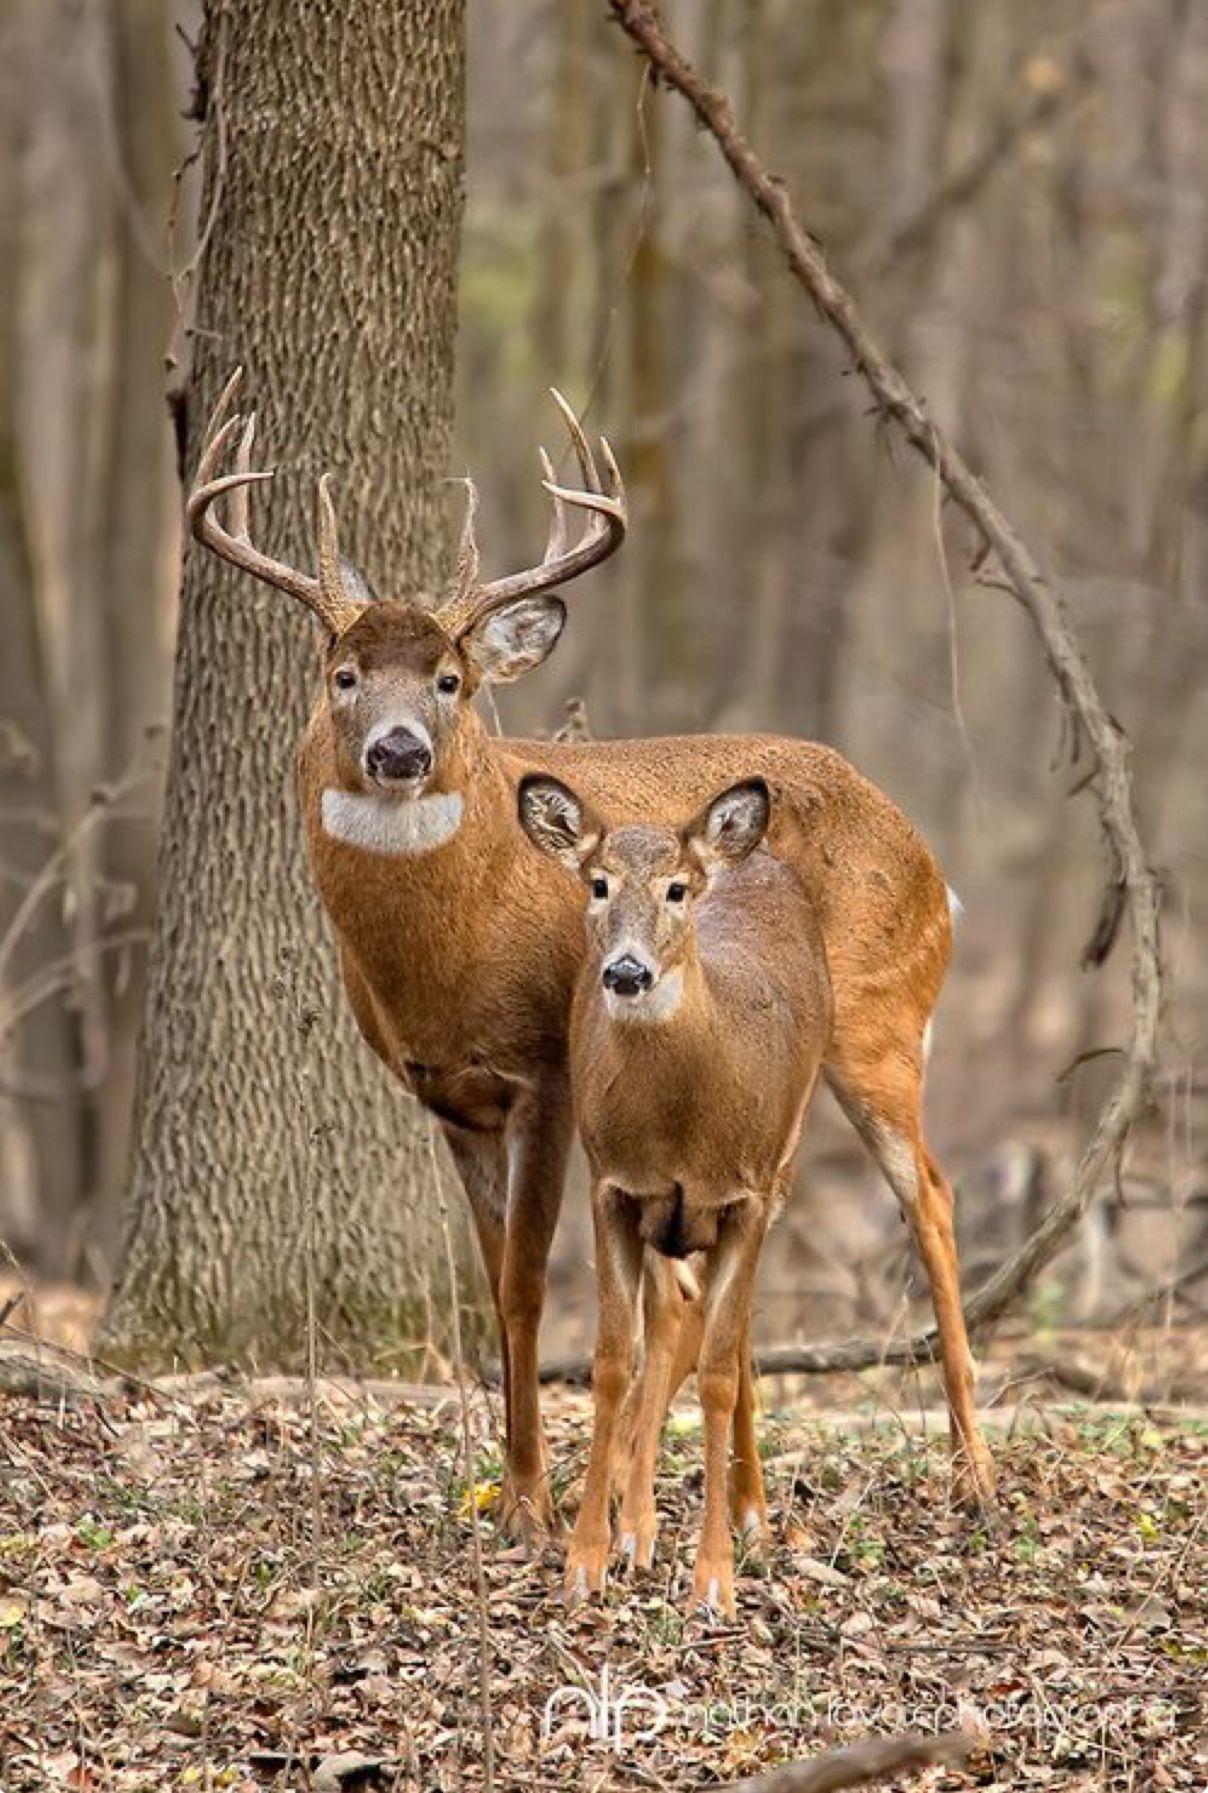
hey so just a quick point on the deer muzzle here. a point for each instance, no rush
(398, 756)
(627, 976)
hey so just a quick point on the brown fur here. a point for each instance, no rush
(460, 965)
(691, 1122)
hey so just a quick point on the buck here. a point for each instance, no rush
(460, 944)
(700, 1020)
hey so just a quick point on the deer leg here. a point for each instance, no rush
(732, 1265)
(481, 1163)
(935, 1236)
(884, 1100)
(618, 1273)
(540, 1146)
(748, 1500)
(663, 1325)
(689, 1319)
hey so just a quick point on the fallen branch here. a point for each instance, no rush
(53, 1374)
(52, 1384)
(1131, 884)
(876, 1760)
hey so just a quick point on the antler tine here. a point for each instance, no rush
(329, 543)
(596, 503)
(587, 465)
(211, 453)
(469, 561)
(205, 527)
(558, 531)
(225, 399)
(238, 510)
(616, 485)
(602, 535)
(330, 603)
(206, 488)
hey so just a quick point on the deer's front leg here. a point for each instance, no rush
(538, 1146)
(618, 1274)
(481, 1161)
(671, 1324)
(748, 1499)
(732, 1266)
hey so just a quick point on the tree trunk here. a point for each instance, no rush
(277, 1174)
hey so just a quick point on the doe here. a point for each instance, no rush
(700, 1020)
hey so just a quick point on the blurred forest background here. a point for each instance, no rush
(1018, 192)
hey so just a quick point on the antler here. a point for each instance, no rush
(327, 595)
(470, 601)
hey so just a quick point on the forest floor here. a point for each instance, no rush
(211, 1584)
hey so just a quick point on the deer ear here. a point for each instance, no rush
(556, 821)
(356, 584)
(731, 826)
(512, 640)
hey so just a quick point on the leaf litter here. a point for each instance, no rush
(223, 1592)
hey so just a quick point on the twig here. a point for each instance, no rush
(954, 667)
(1176, 1285)
(876, 1760)
(102, 804)
(181, 277)
(480, 1580)
(1131, 884)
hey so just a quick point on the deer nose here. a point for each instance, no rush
(398, 754)
(627, 976)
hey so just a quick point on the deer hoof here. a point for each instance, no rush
(754, 1530)
(714, 1592)
(585, 1575)
(526, 1521)
(637, 1542)
(973, 1477)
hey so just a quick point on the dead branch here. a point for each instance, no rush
(53, 1384)
(50, 1372)
(1078, 1378)
(875, 1760)
(467, 1447)
(1131, 885)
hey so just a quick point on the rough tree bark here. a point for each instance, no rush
(276, 1173)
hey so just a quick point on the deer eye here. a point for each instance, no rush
(676, 892)
(345, 679)
(599, 889)
(448, 683)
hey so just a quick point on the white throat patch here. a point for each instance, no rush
(397, 825)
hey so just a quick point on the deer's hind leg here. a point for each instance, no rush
(879, 1083)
